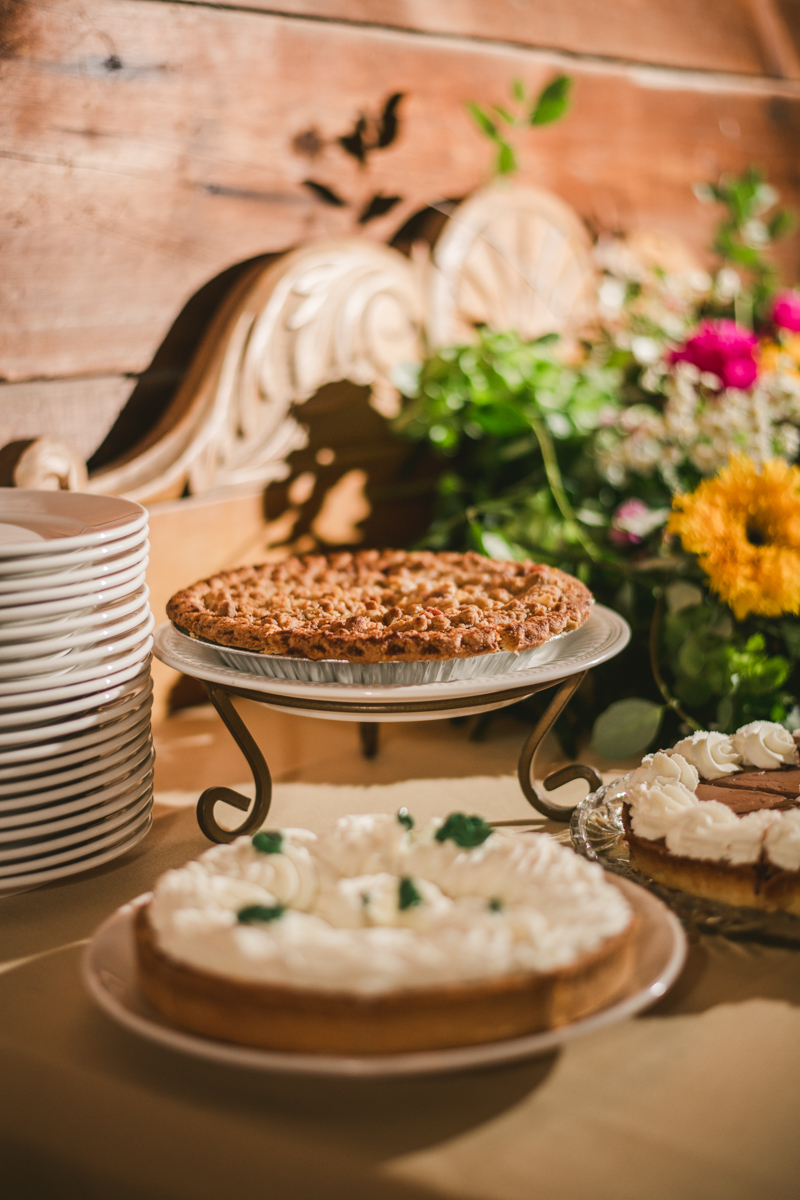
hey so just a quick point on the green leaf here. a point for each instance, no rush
(781, 223)
(626, 728)
(506, 161)
(256, 914)
(269, 841)
(407, 894)
(482, 120)
(503, 114)
(496, 546)
(501, 420)
(463, 830)
(518, 90)
(552, 102)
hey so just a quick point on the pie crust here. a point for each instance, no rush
(293, 1019)
(383, 606)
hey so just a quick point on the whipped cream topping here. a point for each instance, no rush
(663, 803)
(656, 808)
(712, 754)
(765, 744)
(782, 842)
(667, 767)
(374, 907)
(712, 831)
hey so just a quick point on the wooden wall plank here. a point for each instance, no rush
(58, 409)
(148, 146)
(718, 35)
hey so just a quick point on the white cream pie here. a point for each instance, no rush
(381, 938)
(718, 816)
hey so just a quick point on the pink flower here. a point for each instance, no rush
(618, 534)
(786, 311)
(724, 349)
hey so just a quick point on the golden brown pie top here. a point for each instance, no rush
(383, 606)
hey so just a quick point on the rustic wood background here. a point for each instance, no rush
(148, 147)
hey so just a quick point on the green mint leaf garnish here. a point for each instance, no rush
(254, 914)
(407, 895)
(464, 831)
(365, 898)
(495, 905)
(405, 818)
(269, 841)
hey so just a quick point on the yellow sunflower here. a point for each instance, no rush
(744, 526)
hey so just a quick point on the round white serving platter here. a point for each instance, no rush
(603, 636)
(109, 972)
(39, 522)
(35, 878)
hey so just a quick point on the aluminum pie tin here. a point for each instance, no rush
(385, 674)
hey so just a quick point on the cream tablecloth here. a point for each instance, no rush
(697, 1099)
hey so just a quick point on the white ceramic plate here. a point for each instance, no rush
(79, 641)
(109, 971)
(52, 581)
(604, 635)
(48, 862)
(104, 708)
(93, 619)
(23, 707)
(23, 810)
(35, 846)
(65, 589)
(44, 760)
(84, 774)
(34, 522)
(122, 791)
(43, 564)
(33, 879)
(68, 661)
(78, 605)
(83, 817)
(68, 671)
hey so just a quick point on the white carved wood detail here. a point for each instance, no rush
(509, 257)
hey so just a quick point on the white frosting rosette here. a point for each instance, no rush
(782, 842)
(766, 745)
(712, 754)
(666, 767)
(656, 808)
(711, 831)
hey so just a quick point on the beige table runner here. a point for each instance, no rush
(698, 1099)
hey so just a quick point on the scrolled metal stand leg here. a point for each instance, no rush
(565, 774)
(369, 736)
(222, 702)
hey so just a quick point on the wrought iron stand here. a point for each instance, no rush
(221, 697)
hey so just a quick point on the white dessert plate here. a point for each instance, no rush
(34, 522)
(603, 636)
(65, 589)
(23, 810)
(35, 878)
(86, 620)
(104, 676)
(43, 564)
(77, 642)
(104, 708)
(52, 861)
(70, 660)
(109, 971)
(122, 792)
(44, 761)
(86, 816)
(79, 605)
(83, 774)
(37, 846)
(84, 665)
(51, 581)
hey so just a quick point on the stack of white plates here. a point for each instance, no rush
(76, 756)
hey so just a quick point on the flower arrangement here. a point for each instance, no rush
(652, 456)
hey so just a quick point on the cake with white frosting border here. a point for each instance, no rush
(383, 938)
(718, 816)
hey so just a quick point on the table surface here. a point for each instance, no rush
(697, 1098)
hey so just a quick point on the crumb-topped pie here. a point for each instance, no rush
(383, 606)
(383, 938)
(718, 816)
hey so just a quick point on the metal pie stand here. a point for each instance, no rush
(224, 684)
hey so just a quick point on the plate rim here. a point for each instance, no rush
(619, 636)
(104, 531)
(33, 879)
(431, 1062)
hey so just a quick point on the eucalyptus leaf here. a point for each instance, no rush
(552, 101)
(627, 727)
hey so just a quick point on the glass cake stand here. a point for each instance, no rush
(604, 635)
(598, 834)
